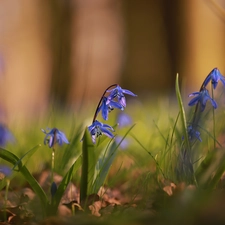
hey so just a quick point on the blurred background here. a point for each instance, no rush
(67, 52)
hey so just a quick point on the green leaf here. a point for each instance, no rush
(62, 187)
(10, 157)
(13, 159)
(23, 160)
(88, 165)
(35, 186)
(69, 152)
(184, 170)
(182, 114)
(211, 169)
(104, 163)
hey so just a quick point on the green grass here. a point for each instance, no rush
(141, 171)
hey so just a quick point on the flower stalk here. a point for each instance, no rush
(53, 165)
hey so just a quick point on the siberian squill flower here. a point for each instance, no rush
(214, 76)
(5, 135)
(54, 136)
(108, 107)
(97, 129)
(124, 119)
(119, 93)
(53, 189)
(201, 97)
(123, 143)
(5, 170)
(193, 133)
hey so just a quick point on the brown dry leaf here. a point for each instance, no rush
(111, 196)
(64, 210)
(6, 215)
(169, 189)
(95, 208)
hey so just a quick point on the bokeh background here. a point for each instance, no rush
(67, 52)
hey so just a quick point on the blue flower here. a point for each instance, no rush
(124, 120)
(201, 97)
(97, 129)
(124, 144)
(119, 93)
(53, 189)
(5, 170)
(54, 136)
(5, 135)
(215, 76)
(108, 107)
(193, 133)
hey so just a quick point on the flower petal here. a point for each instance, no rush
(214, 104)
(122, 100)
(63, 137)
(107, 132)
(194, 93)
(116, 105)
(194, 101)
(125, 91)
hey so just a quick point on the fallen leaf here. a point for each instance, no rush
(95, 208)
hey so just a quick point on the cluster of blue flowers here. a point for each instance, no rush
(113, 97)
(201, 97)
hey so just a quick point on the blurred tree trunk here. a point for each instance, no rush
(97, 49)
(148, 63)
(24, 80)
(60, 17)
(173, 17)
(169, 37)
(204, 42)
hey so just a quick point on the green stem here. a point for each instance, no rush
(84, 170)
(214, 122)
(53, 165)
(96, 111)
(6, 197)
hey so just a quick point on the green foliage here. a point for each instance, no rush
(104, 162)
(20, 166)
(88, 166)
(48, 207)
(184, 170)
(159, 152)
(53, 206)
(182, 114)
(96, 162)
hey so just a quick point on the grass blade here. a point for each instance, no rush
(214, 163)
(88, 166)
(182, 114)
(105, 161)
(62, 187)
(23, 160)
(13, 159)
